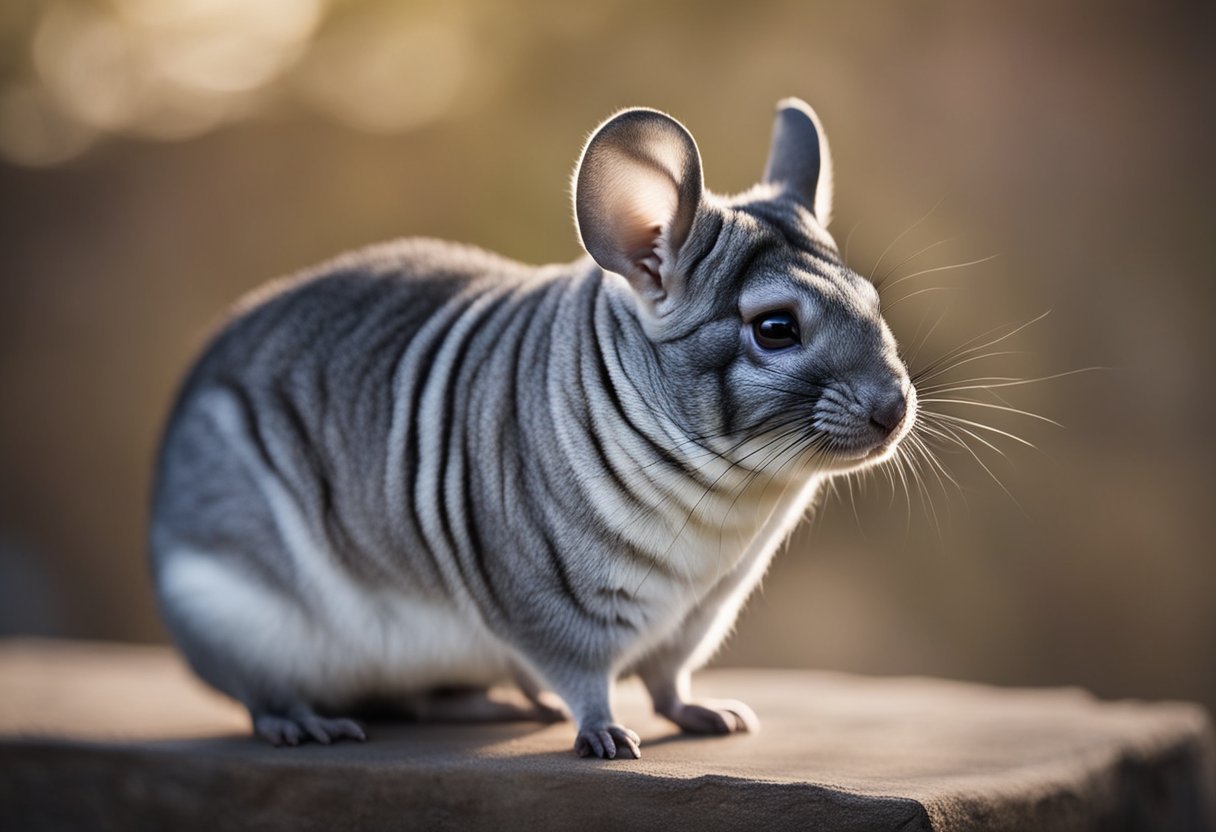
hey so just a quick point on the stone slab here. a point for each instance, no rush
(105, 736)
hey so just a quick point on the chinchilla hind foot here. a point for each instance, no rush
(301, 724)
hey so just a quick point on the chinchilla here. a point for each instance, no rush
(422, 469)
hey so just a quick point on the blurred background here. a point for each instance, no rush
(158, 158)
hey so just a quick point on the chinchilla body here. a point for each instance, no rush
(423, 466)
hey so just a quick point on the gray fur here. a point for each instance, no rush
(424, 466)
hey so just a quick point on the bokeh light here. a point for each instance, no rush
(169, 69)
(35, 131)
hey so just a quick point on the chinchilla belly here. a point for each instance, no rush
(329, 639)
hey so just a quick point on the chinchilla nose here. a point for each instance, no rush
(888, 410)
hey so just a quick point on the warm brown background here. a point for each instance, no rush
(1075, 144)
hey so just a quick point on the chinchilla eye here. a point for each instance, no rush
(776, 330)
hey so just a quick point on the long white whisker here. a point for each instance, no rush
(905, 232)
(926, 453)
(887, 307)
(967, 348)
(945, 472)
(926, 497)
(1006, 408)
(853, 502)
(936, 269)
(981, 426)
(998, 381)
(909, 259)
(899, 468)
(921, 345)
(988, 470)
(922, 377)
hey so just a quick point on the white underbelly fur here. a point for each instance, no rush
(351, 643)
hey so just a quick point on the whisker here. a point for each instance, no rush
(803, 441)
(988, 470)
(940, 469)
(734, 465)
(921, 376)
(937, 269)
(920, 449)
(971, 346)
(954, 431)
(888, 469)
(899, 469)
(982, 426)
(920, 346)
(848, 238)
(887, 307)
(909, 259)
(853, 501)
(1000, 381)
(908, 452)
(1005, 408)
(749, 433)
(937, 432)
(903, 234)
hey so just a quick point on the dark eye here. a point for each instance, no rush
(776, 330)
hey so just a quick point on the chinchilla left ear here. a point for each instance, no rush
(799, 159)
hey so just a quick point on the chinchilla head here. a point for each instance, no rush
(759, 341)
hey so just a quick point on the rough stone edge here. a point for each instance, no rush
(64, 785)
(1167, 786)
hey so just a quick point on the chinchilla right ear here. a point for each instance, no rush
(799, 160)
(637, 189)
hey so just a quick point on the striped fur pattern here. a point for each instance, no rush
(423, 467)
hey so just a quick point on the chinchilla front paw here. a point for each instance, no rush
(607, 741)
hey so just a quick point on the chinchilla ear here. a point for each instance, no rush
(799, 160)
(636, 193)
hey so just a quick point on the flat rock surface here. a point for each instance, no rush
(110, 736)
